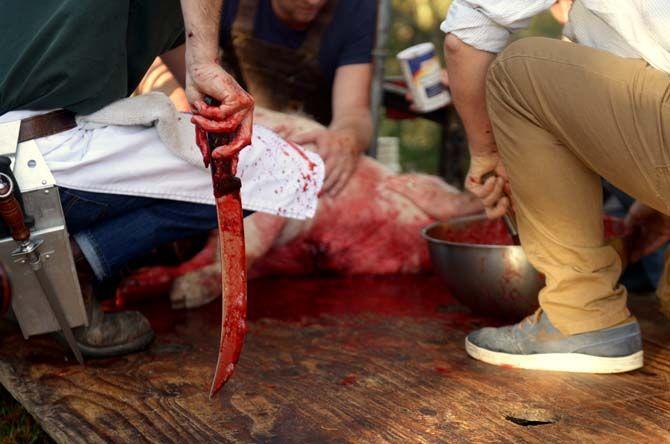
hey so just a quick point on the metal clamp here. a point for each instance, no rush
(7, 186)
(28, 248)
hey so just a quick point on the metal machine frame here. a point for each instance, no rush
(41, 269)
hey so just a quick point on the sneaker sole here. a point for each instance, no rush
(559, 362)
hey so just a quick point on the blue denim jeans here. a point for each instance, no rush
(113, 229)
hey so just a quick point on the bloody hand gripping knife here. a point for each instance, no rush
(508, 218)
(233, 262)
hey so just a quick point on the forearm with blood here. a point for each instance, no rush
(357, 123)
(201, 23)
(467, 68)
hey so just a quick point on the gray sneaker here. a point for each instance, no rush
(536, 344)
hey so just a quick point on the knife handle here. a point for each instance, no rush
(10, 210)
(510, 223)
(217, 139)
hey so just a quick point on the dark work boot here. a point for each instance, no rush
(107, 334)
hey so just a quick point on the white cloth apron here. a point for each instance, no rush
(277, 178)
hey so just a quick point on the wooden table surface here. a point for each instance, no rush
(334, 360)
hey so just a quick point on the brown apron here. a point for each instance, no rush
(280, 78)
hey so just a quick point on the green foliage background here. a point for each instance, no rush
(16, 425)
(418, 21)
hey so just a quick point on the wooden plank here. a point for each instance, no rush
(350, 360)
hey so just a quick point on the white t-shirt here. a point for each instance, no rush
(627, 28)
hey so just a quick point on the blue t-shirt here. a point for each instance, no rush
(347, 40)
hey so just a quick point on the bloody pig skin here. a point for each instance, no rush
(327, 248)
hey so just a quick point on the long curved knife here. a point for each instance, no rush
(233, 262)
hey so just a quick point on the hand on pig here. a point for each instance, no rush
(339, 153)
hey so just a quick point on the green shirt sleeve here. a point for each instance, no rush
(80, 55)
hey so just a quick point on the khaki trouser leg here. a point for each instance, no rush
(564, 115)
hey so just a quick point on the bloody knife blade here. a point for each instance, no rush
(233, 262)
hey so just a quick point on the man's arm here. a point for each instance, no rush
(201, 27)
(204, 76)
(476, 31)
(351, 103)
(349, 133)
(175, 60)
(467, 68)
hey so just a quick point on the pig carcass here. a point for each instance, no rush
(371, 228)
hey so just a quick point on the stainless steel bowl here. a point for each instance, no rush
(494, 280)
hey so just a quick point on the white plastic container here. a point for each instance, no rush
(423, 75)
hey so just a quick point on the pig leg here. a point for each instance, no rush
(196, 288)
(202, 286)
(195, 285)
(262, 232)
(433, 196)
